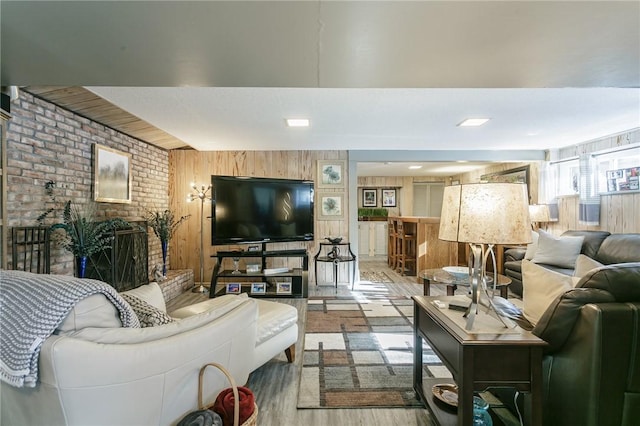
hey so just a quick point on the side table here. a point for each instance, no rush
(477, 361)
(440, 276)
(336, 253)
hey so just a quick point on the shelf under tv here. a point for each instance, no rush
(297, 277)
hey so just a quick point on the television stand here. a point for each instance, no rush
(280, 283)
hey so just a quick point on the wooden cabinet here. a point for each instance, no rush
(372, 238)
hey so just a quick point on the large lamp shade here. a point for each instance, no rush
(486, 213)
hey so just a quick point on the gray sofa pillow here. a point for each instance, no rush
(557, 251)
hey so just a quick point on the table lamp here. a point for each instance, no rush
(539, 213)
(483, 215)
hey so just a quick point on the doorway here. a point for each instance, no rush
(427, 198)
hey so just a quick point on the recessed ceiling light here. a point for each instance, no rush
(415, 167)
(470, 122)
(297, 122)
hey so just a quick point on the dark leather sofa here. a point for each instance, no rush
(591, 366)
(602, 246)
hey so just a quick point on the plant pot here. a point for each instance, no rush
(164, 245)
(81, 266)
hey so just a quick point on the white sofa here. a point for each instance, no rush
(95, 372)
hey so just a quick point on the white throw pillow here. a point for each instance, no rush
(557, 251)
(584, 264)
(92, 311)
(540, 287)
(532, 247)
(150, 293)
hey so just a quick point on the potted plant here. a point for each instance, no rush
(164, 225)
(85, 236)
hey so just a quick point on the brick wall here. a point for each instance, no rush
(48, 143)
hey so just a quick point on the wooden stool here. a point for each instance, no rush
(406, 250)
(392, 256)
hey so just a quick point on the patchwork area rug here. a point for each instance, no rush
(375, 277)
(359, 353)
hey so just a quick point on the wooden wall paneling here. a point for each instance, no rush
(614, 218)
(619, 213)
(635, 214)
(605, 212)
(630, 212)
(190, 165)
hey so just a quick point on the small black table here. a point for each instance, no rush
(336, 253)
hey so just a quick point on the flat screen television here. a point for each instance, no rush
(251, 209)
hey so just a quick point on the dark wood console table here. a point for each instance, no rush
(477, 361)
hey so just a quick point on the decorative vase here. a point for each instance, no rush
(81, 266)
(164, 245)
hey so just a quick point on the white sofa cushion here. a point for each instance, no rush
(93, 311)
(150, 293)
(274, 317)
(96, 311)
(532, 247)
(540, 287)
(585, 264)
(141, 335)
(221, 302)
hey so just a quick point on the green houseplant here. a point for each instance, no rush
(164, 225)
(84, 234)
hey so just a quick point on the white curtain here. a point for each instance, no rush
(589, 205)
(547, 192)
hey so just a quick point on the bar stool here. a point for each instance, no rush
(392, 256)
(406, 250)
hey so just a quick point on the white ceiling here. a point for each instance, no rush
(378, 75)
(380, 119)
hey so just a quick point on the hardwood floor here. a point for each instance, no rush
(275, 384)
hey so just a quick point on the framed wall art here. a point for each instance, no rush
(331, 173)
(111, 175)
(369, 198)
(388, 198)
(330, 205)
(517, 175)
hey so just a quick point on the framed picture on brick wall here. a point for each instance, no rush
(111, 175)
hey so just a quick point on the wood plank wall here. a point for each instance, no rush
(619, 214)
(186, 166)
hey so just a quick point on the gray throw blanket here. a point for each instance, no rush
(32, 306)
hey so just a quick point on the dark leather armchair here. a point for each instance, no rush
(591, 369)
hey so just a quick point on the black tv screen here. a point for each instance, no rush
(248, 210)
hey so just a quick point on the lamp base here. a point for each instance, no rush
(478, 283)
(200, 289)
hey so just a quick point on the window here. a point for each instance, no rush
(613, 169)
(567, 176)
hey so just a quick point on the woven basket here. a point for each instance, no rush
(251, 421)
